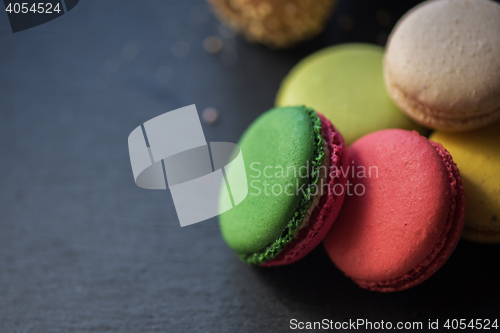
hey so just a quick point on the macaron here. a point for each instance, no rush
(292, 156)
(276, 23)
(346, 84)
(477, 155)
(442, 64)
(404, 214)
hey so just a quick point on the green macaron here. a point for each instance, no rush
(345, 83)
(281, 139)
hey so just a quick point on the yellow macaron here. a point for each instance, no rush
(477, 155)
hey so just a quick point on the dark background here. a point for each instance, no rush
(83, 249)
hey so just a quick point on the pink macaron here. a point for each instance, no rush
(404, 216)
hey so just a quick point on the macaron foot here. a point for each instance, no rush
(435, 118)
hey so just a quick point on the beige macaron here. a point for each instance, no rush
(442, 64)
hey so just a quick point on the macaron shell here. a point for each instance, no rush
(281, 137)
(329, 206)
(345, 83)
(395, 226)
(448, 240)
(441, 65)
(477, 155)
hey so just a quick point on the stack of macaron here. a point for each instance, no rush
(442, 68)
(388, 203)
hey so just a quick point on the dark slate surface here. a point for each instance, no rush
(83, 249)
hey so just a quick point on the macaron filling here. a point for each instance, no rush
(447, 241)
(306, 201)
(323, 179)
(481, 234)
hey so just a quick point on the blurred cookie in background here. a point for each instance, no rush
(276, 23)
